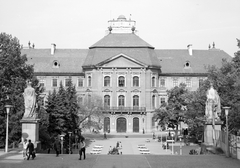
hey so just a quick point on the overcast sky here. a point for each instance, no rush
(165, 24)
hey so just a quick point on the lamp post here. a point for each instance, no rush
(8, 110)
(180, 145)
(69, 151)
(172, 144)
(227, 142)
(61, 137)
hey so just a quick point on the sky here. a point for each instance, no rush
(165, 24)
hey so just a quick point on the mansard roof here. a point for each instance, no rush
(121, 40)
(70, 60)
(144, 55)
(121, 43)
(173, 61)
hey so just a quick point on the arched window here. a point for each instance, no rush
(135, 81)
(106, 101)
(153, 81)
(135, 101)
(153, 101)
(89, 81)
(107, 81)
(121, 81)
(121, 101)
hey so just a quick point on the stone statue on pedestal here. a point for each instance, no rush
(213, 105)
(30, 102)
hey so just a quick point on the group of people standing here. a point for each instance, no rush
(81, 144)
(28, 149)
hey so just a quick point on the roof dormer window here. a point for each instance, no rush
(187, 64)
(56, 64)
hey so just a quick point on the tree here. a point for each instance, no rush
(14, 73)
(174, 111)
(90, 112)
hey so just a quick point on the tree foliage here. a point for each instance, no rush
(14, 73)
(173, 112)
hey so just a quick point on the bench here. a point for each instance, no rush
(145, 152)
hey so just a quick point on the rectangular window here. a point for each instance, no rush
(121, 81)
(201, 82)
(175, 82)
(107, 81)
(162, 99)
(153, 81)
(80, 100)
(67, 82)
(80, 82)
(188, 82)
(135, 81)
(162, 82)
(89, 81)
(54, 83)
(42, 82)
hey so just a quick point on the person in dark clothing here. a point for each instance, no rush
(82, 150)
(30, 148)
(57, 147)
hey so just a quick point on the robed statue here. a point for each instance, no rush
(29, 101)
(213, 105)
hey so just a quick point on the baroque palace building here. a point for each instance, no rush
(130, 75)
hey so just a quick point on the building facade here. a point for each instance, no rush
(130, 75)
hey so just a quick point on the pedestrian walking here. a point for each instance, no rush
(30, 148)
(82, 146)
(25, 143)
(57, 147)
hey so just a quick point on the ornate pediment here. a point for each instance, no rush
(136, 90)
(121, 61)
(106, 90)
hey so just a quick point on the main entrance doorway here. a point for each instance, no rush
(121, 124)
(135, 124)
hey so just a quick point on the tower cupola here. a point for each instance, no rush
(121, 25)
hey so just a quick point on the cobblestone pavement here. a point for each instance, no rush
(119, 161)
(131, 157)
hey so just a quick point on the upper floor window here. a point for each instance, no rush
(80, 82)
(188, 82)
(175, 82)
(80, 100)
(162, 82)
(54, 82)
(121, 101)
(153, 101)
(201, 80)
(42, 83)
(89, 81)
(135, 101)
(162, 100)
(67, 82)
(106, 81)
(136, 81)
(153, 81)
(106, 101)
(121, 81)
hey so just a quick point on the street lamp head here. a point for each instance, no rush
(8, 108)
(226, 110)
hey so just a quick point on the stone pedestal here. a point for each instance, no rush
(209, 132)
(30, 130)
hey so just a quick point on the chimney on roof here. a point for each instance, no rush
(189, 49)
(53, 48)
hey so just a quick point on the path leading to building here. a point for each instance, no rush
(130, 146)
(119, 161)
